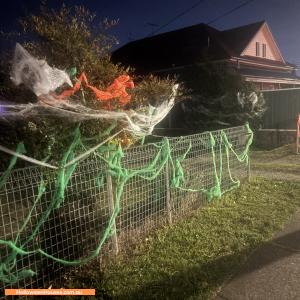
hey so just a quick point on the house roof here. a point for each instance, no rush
(267, 62)
(238, 38)
(191, 45)
(175, 48)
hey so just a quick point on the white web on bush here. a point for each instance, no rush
(42, 79)
(36, 74)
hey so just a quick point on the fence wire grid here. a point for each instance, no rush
(73, 230)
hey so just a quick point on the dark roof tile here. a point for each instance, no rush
(175, 48)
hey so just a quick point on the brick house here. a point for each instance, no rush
(250, 49)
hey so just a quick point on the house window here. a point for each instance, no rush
(257, 49)
(264, 50)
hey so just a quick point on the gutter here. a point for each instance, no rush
(270, 80)
(243, 60)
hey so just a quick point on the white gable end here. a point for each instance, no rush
(263, 39)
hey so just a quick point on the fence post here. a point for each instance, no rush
(111, 206)
(298, 135)
(168, 196)
(249, 168)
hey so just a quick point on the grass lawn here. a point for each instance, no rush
(285, 155)
(278, 163)
(277, 167)
(194, 257)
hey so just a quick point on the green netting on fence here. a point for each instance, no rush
(112, 155)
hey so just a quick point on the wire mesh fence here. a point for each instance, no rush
(74, 229)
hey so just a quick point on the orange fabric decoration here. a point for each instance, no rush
(116, 90)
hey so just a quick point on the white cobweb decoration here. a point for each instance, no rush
(36, 74)
(42, 79)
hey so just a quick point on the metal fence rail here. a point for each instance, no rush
(73, 230)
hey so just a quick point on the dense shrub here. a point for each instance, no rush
(68, 38)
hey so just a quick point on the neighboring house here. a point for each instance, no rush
(251, 49)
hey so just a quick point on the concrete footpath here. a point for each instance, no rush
(272, 271)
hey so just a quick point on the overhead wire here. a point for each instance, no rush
(194, 6)
(230, 11)
(175, 18)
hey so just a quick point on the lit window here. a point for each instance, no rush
(264, 50)
(257, 49)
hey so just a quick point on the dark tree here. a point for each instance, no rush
(219, 97)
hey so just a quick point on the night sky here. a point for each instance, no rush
(138, 18)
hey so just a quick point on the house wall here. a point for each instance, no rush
(269, 86)
(263, 38)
